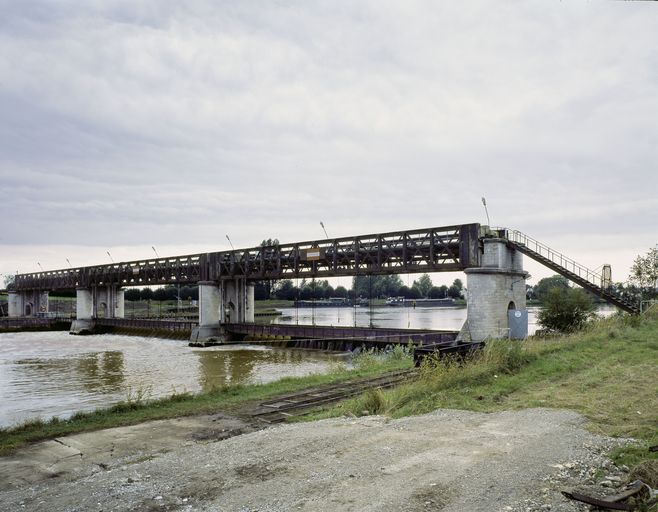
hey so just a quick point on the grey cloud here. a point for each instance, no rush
(184, 121)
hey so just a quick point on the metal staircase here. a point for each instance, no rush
(582, 276)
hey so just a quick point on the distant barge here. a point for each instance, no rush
(333, 302)
(420, 303)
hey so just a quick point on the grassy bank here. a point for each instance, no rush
(136, 409)
(606, 372)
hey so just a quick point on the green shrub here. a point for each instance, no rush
(566, 310)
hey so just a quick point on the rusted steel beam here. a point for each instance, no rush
(378, 335)
(609, 505)
(448, 248)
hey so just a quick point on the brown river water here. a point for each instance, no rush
(45, 374)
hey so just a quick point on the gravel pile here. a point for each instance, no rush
(447, 460)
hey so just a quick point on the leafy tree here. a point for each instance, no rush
(565, 310)
(544, 285)
(409, 293)
(341, 291)
(189, 293)
(454, 292)
(438, 292)
(132, 294)
(424, 285)
(286, 290)
(329, 291)
(9, 280)
(379, 286)
(261, 290)
(315, 290)
(457, 283)
(165, 293)
(145, 294)
(644, 272)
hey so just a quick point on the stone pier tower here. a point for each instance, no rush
(496, 294)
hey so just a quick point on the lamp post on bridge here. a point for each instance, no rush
(484, 203)
(323, 229)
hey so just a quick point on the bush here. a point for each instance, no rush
(566, 310)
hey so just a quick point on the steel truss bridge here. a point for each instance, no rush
(438, 249)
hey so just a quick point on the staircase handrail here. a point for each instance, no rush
(583, 272)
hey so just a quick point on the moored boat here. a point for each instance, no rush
(413, 303)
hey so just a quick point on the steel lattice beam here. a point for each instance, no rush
(439, 249)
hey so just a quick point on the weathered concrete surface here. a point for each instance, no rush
(79, 455)
(447, 460)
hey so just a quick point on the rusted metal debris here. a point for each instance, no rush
(615, 502)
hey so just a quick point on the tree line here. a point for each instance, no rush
(309, 289)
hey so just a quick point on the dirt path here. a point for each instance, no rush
(447, 460)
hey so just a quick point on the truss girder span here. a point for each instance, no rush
(438, 249)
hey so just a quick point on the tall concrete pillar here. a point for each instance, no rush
(249, 309)
(108, 302)
(102, 299)
(237, 301)
(230, 302)
(496, 294)
(15, 304)
(84, 310)
(42, 302)
(210, 297)
(119, 303)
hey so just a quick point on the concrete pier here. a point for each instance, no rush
(108, 301)
(209, 330)
(84, 309)
(27, 303)
(15, 304)
(496, 294)
(228, 302)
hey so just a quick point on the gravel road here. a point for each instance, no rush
(447, 460)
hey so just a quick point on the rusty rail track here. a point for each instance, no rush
(283, 407)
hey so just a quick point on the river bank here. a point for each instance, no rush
(139, 406)
(517, 395)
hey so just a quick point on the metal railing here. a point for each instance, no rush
(560, 259)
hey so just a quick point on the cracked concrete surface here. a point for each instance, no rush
(80, 455)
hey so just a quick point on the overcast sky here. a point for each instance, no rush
(131, 124)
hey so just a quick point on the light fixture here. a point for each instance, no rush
(484, 202)
(325, 231)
